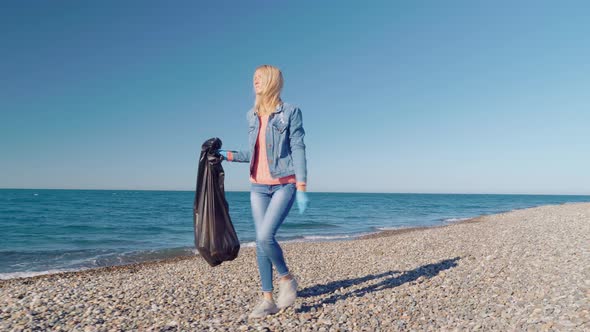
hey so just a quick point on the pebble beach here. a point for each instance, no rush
(523, 270)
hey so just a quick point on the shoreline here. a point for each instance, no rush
(132, 266)
(352, 237)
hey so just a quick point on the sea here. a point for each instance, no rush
(48, 231)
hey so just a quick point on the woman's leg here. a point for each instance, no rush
(270, 207)
(259, 200)
(281, 202)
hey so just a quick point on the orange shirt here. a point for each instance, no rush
(261, 173)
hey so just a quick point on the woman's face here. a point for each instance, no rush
(258, 82)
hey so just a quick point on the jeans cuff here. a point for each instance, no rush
(282, 274)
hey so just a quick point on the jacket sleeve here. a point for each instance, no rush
(239, 156)
(296, 134)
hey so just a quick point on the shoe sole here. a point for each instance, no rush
(286, 305)
(263, 316)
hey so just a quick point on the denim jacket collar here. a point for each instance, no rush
(279, 109)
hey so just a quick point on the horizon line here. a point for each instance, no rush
(319, 192)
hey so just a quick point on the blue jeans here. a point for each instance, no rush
(270, 207)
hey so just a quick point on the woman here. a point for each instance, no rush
(278, 175)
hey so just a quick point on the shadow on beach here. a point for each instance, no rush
(393, 279)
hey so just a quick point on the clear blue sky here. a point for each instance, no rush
(415, 96)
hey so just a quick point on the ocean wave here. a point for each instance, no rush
(451, 220)
(64, 263)
(308, 225)
(320, 238)
(327, 237)
(392, 228)
(314, 238)
(27, 274)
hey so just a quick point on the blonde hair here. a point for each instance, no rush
(272, 83)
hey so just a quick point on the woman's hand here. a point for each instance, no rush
(302, 201)
(223, 154)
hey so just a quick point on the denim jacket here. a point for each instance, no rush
(284, 137)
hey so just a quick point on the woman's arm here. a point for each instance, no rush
(238, 156)
(296, 134)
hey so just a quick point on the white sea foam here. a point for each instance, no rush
(27, 274)
(313, 238)
(325, 237)
(319, 238)
(392, 228)
(449, 220)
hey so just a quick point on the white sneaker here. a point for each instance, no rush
(287, 292)
(263, 309)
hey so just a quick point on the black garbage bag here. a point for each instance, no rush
(215, 236)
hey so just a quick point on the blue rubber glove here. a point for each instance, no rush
(302, 201)
(223, 154)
